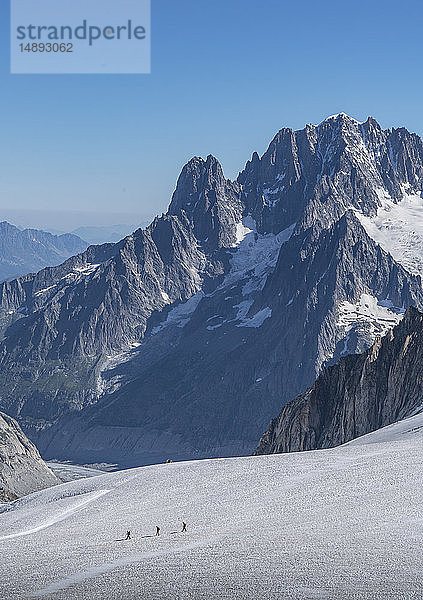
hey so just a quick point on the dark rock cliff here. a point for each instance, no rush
(361, 393)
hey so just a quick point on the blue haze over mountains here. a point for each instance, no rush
(30, 250)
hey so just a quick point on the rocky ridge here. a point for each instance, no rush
(360, 394)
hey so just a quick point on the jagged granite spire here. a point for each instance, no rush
(340, 163)
(210, 201)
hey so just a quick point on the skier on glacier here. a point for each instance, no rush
(184, 526)
(157, 530)
(128, 535)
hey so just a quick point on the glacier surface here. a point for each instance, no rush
(339, 524)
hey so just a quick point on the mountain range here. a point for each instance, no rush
(30, 250)
(184, 339)
(103, 233)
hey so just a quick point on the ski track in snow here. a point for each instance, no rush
(57, 519)
(108, 567)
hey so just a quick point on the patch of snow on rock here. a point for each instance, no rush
(398, 229)
(50, 287)
(181, 314)
(241, 232)
(258, 319)
(243, 308)
(382, 315)
(255, 258)
(88, 269)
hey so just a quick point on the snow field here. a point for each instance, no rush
(379, 315)
(398, 229)
(339, 524)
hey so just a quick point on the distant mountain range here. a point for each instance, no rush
(184, 339)
(30, 250)
(105, 234)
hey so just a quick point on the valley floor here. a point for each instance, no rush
(338, 524)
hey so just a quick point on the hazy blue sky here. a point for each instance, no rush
(226, 75)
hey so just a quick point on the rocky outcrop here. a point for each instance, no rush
(22, 469)
(360, 394)
(30, 250)
(65, 320)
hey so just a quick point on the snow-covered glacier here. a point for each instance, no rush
(339, 524)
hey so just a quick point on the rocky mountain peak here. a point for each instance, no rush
(5, 226)
(340, 117)
(209, 201)
(321, 169)
(197, 177)
(329, 168)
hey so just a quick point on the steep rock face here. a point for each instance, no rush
(325, 274)
(361, 393)
(318, 172)
(103, 300)
(187, 337)
(209, 201)
(55, 336)
(22, 469)
(30, 250)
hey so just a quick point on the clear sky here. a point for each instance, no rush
(226, 75)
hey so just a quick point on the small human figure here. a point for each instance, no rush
(157, 530)
(184, 526)
(128, 535)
